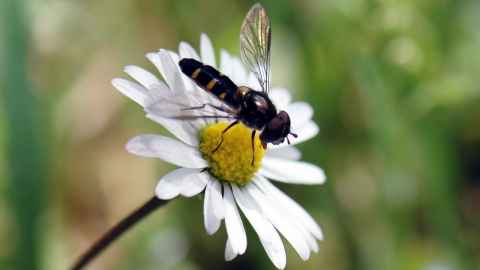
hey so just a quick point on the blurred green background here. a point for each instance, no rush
(395, 86)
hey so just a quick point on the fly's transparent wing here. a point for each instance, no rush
(255, 40)
(183, 107)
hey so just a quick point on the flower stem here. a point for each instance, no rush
(116, 231)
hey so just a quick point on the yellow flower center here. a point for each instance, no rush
(232, 161)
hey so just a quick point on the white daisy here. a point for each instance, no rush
(226, 176)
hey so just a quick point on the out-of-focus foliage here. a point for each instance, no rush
(395, 85)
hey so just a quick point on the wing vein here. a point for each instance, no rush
(255, 43)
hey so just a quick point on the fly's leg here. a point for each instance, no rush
(220, 108)
(253, 145)
(223, 133)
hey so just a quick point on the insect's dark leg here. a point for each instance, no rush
(253, 145)
(220, 108)
(223, 133)
(195, 107)
(223, 109)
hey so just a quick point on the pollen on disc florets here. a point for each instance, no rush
(232, 162)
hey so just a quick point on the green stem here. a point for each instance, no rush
(118, 230)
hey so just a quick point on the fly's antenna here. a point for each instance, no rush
(293, 134)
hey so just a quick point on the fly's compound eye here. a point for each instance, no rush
(277, 129)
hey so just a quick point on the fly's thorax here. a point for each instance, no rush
(238, 96)
(256, 109)
(242, 91)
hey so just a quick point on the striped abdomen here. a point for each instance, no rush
(210, 80)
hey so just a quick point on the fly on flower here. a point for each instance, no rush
(249, 106)
(230, 181)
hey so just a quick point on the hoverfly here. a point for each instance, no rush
(249, 106)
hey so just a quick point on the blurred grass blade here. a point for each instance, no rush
(24, 155)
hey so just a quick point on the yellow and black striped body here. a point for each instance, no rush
(212, 81)
(253, 108)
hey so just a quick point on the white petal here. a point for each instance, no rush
(172, 109)
(171, 184)
(300, 113)
(252, 82)
(156, 92)
(170, 71)
(289, 152)
(183, 130)
(289, 205)
(176, 58)
(168, 149)
(157, 62)
(239, 72)
(133, 90)
(143, 76)
(293, 212)
(187, 51)
(230, 254)
(172, 105)
(291, 171)
(155, 59)
(312, 242)
(280, 97)
(213, 208)
(194, 184)
(308, 131)
(284, 223)
(188, 83)
(233, 222)
(271, 241)
(226, 63)
(286, 214)
(206, 51)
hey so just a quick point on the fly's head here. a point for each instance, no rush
(277, 130)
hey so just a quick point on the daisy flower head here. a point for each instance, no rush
(231, 179)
